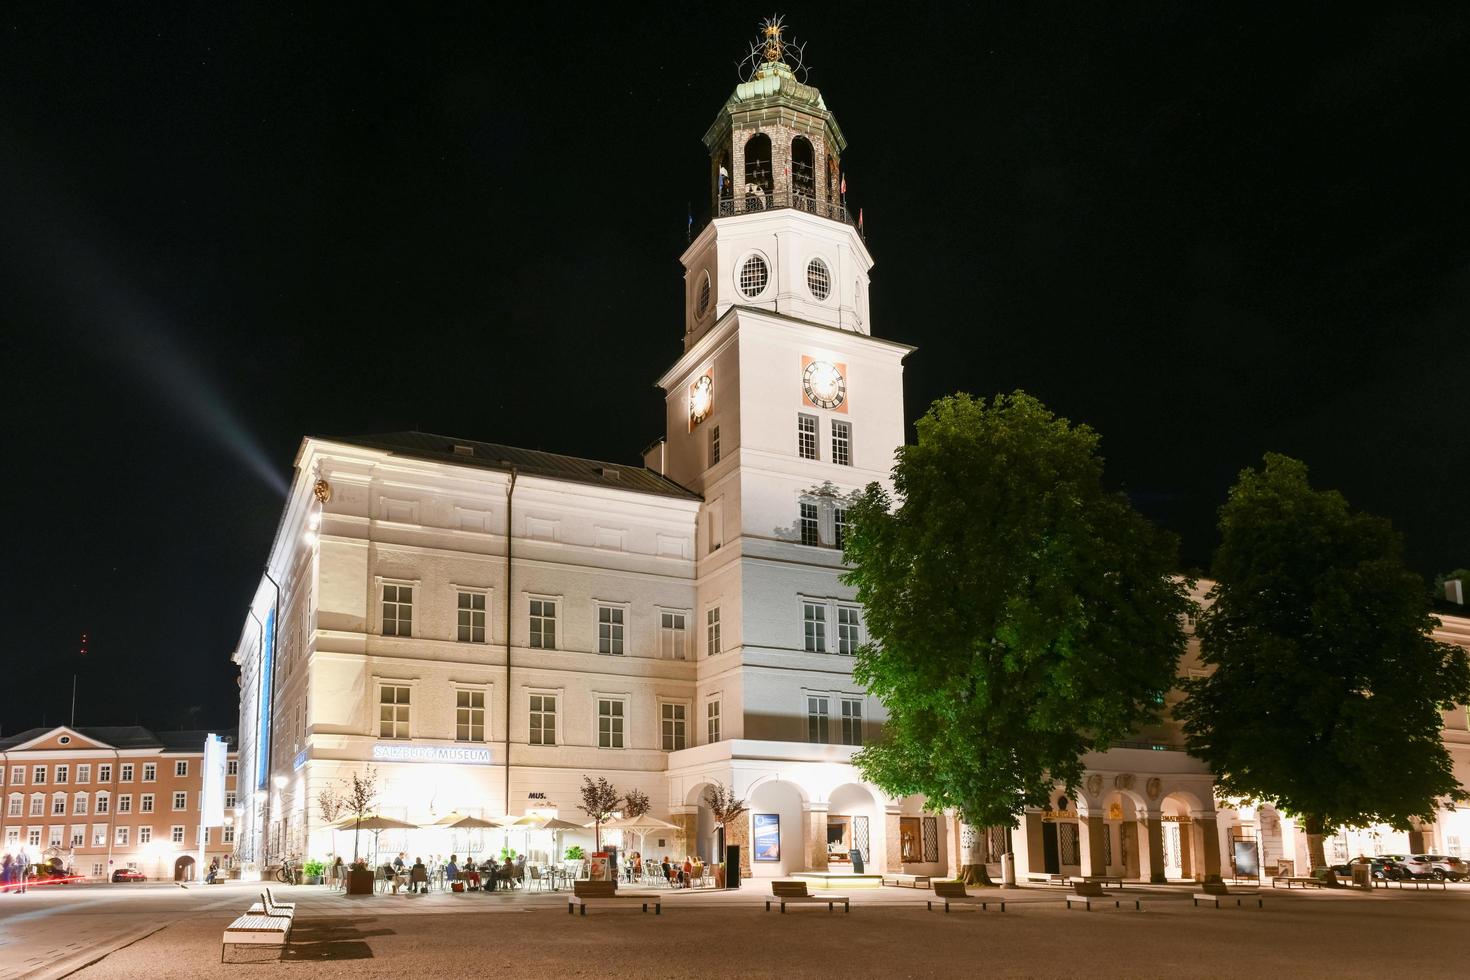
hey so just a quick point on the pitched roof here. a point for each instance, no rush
(532, 462)
(126, 737)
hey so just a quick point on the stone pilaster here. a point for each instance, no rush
(738, 833)
(814, 837)
(1205, 842)
(892, 842)
(1090, 829)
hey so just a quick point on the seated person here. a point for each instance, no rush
(418, 876)
(451, 870)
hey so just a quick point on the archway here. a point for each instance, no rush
(701, 835)
(184, 868)
(1182, 857)
(758, 184)
(855, 823)
(803, 168)
(776, 829)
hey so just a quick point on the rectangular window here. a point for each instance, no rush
(145, 803)
(910, 840)
(58, 805)
(38, 775)
(818, 716)
(176, 834)
(610, 719)
(672, 636)
(79, 805)
(17, 775)
(230, 800)
(181, 801)
(99, 835)
(145, 835)
(397, 610)
(712, 632)
(849, 631)
(610, 630)
(54, 835)
(122, 837)
(84, 774)
(181, 767)
(809, 534)
(472, 617)
(714, 445)
(469, 716)
(852, 722)
(814, 626)
(125, 803)
(543, 719)
(232, 767)
(150, 772)
(17, 804)
(543, 624)
(839, 527)
(102, 802)
(38, 806)
(393, 705)
(673, 723)
(126, 773)
(104, 773)
(229, 835)
(712, 720)
(806, 436)
(62, 772)
(842, 443)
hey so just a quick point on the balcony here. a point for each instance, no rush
(750, 203)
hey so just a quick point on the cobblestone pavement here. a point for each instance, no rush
(163, 931)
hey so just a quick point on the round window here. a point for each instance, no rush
(702, 306)
(817, 279)
(753, 277)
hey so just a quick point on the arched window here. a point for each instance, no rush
(803, 168)
(758, 166)
(724, 179)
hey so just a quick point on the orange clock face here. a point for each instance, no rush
(701, 399)
(824, 384)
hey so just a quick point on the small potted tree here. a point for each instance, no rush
(362, 793)
(726, 808)
(599, 801)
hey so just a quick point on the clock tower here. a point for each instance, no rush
(781, 404)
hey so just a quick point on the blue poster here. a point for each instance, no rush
(767, 836)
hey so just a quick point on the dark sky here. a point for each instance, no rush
(1207, 232)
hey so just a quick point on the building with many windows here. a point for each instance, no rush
(101, 799)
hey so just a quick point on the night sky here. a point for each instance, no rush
(1208, 233)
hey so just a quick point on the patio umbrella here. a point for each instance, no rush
(557, 825)
(642, 826)
(460, 821)
(375, 822)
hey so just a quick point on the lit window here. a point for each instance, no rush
(469, 716)
(712, 720)
(814, 626)
(849, 630)
(543, 624)
(543, 719)
(852, 722)
(609, 723)
(818, 280)
(712, 632)
(176, 834)
(122, 836)
(397, 610)
(839, 527)
(145, 835)
(817, 718)
(181, 767)
(753, 277)
(714, 445)
(393, 707)
(672, 636)
(472, 617)
(806, 436)
(842, 443)
(126, 772)
(610, 630)
(181, 801)
(673, 723)
(809, 533)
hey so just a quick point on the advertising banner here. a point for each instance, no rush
(216, 754)
(767, 844)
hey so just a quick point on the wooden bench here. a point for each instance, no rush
(256, 930)
(1411, 882)
(606, 892)
(1296, 881)
(906, 880)
(795, 892)
(1090, 893)
(1105, 880)
(268, 906)
(954, 891)
(1214, 891)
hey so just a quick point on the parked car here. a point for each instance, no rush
(1442, 866)
(128, 874)
(1414, 865)
(1385, 868)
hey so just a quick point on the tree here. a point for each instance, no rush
(330, 804)
(1018, 614)
(1327, 686)
(635, 803)
(599, 801)
(362, 795)
(724, 806)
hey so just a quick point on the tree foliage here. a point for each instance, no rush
(635, 803)
(361, 797)
(723, 804)
(1019, 614)
(1327, 686)
(599, 800)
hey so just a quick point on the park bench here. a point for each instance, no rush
(606, 892)
(1296, 881)
(1105, 880)
(269, 928)
(1090, 893)
(794, 892)
(906, 880)
(1214, 891)
(954, 892)
(268, 906)
(1410, 882)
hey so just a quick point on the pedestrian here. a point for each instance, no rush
(5, 873)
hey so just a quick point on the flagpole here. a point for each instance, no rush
(73, 701)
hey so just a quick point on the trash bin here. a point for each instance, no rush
(1363, 877)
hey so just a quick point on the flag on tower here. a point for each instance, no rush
(860, 221)
(689, 233)
(844, 185)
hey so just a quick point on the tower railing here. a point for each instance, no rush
(752, 202)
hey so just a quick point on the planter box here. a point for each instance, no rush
(360, 881)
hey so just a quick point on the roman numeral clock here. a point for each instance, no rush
(824, 384)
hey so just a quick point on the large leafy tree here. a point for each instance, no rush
(1327, 686)
(1019, 614)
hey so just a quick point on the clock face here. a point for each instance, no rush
(824, 384)
(701, 398)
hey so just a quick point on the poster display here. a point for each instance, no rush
(767, 844)
(1247, 858)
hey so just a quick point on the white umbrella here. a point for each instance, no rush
(642, 826)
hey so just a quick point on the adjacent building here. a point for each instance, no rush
(101, 799)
